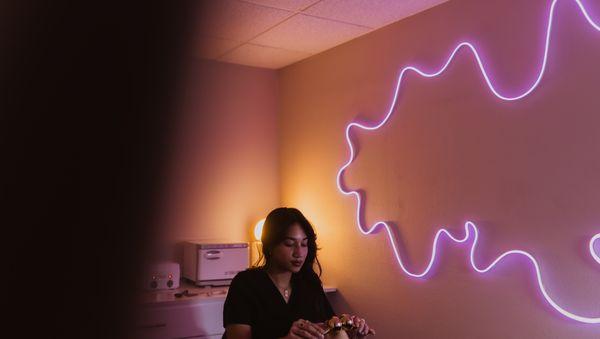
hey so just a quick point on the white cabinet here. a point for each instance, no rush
(186, 317)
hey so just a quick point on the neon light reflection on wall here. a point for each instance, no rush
(470, 227)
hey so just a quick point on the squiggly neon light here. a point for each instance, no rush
(469, 226)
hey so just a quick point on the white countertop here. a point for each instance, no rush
(203, 295)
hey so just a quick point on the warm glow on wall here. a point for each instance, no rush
(256, 246)
(258, 229)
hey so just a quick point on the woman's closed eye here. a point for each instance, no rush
(291, 243)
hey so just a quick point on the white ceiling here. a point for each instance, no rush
(276, 33)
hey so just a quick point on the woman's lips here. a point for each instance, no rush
(297, 263)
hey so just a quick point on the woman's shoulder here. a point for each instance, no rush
(310, 280)
(249, 275)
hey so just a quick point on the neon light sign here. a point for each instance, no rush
(470, 228)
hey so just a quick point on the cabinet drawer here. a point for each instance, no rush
(197, 320)
(152, 324)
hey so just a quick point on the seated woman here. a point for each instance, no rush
(284, 297)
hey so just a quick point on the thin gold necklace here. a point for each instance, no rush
(286, 290)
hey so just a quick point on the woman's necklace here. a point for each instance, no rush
(285, 290)
(286, 293)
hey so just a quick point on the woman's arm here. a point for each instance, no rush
(238, 331)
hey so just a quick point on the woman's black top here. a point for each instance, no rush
(253, 299)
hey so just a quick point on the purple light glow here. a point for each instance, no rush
(470, 228)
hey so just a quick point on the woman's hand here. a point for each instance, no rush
(304, 329)
(362, 329)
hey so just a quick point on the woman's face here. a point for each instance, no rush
(289, 255)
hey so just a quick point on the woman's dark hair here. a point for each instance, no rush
(275, 230)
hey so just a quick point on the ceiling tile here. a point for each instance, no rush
(371, 13)
(291, 5)
(212, 48)
(236, 20)
(309, 34)
(263, 56)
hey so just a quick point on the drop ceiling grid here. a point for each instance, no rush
(288, 5)
(309, 34)
(295, 37)
(276, 33)
(234, 54)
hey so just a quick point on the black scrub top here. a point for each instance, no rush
(253, 299)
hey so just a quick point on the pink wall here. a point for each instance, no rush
(526, 172)
(223, 175)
